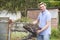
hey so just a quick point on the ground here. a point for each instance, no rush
(20, 35)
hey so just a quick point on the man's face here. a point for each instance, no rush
(42, 7)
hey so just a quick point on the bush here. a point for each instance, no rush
(24, 19)
(18, 35)
(59, 27)
(55, 33)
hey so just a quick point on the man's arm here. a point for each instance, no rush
(45, 27)
(35, 22)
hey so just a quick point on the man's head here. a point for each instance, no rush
(42, 6)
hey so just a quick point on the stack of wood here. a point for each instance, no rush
(32, 29)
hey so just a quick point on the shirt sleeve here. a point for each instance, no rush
(49, 17)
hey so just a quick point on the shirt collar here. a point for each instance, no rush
(44, 12)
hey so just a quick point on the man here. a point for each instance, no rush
(44, 22)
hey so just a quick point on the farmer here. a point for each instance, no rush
(44, 22)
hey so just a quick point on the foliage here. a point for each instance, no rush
(51, 3)
(23, 5)
(59, 19)
(15, 5)
(54, 36)
(59, 27)
(55, 33)
(24, 19)
(18, 35)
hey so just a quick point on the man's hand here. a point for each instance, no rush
(38, 31)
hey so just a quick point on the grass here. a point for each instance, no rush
(20, 35)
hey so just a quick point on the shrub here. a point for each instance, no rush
(24, 19)
(59, 27)
(55, 33)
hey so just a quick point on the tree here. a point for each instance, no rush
(51, 3)
(23, 5)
